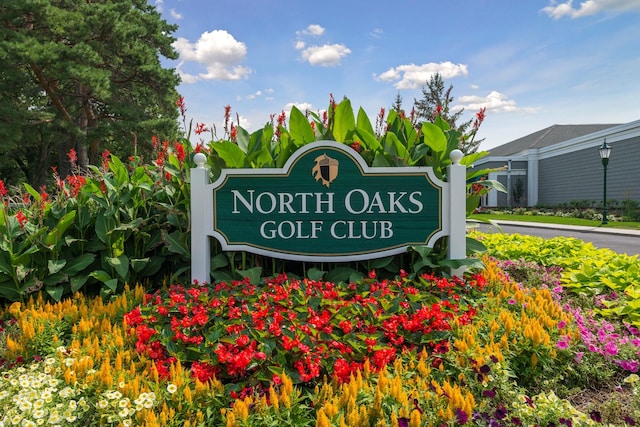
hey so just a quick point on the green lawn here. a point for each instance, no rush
(555, 220)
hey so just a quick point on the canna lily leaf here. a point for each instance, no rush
(344, 123)
(434, 137)
(232, 155)
(55, 235)
(299, 127)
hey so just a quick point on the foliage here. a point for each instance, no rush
(80, 75)
(437, 102)
(499, 366)
(586, 270)
(244, 333)
(128, 222)
(121, 223)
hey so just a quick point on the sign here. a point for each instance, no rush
(325, 204)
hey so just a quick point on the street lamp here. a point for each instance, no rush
(605, 152)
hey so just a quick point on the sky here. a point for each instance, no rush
(531, 63)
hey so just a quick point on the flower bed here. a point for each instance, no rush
(483, 351)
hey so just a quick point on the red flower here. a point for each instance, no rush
(203, 371)
(73, 157)
(3, 189)
(179, 151)
(234, 132)
(200, 128)
(22, 219)
(181, 106)
(105, 159)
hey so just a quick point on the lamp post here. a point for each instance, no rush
(605, 152)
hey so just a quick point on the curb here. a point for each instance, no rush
(584, 229)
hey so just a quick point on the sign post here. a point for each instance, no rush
(325, 204)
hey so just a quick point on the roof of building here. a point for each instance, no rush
(546, 137)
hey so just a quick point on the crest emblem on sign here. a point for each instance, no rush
(325, 169)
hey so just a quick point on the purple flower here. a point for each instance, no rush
(461, 416)
(489, 393)
(562, 324)
(562, 344)
(629, 365)
(611, 348)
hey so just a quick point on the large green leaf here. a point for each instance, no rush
(363, 123)
(252, 273)
(394, 147)
(120, 264)
(55, 235)
(232, 155)
(299, 127)
(177, 244)
(344, 122)
(368, 139)
(55, 265)
(119, 170)
(55, 292)
(243, 139)
(434, 137)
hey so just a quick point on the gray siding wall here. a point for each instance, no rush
(579, 175)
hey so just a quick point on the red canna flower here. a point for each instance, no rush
(73, 157)
(22, 219)
(234, 133)
(180, 152)
(200, 128)
(105, 160)
(181, 106)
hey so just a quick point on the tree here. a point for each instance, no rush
(83, 75)
(437, 101)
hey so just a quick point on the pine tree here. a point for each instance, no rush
(84, 75)
(436, 100)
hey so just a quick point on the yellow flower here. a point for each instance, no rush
(14, 309)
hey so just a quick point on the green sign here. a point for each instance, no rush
(327, 204)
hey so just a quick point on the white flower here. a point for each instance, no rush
(172, 388)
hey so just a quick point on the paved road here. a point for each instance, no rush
(621, 241)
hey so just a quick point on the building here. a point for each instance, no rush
(561, 164)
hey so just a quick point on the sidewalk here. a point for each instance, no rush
(584, 229)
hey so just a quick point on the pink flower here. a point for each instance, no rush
(579, 355)
(562, 324)
(563, 344)
(611, 348)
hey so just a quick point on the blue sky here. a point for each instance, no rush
(531, 63)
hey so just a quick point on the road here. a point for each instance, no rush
(620, 241)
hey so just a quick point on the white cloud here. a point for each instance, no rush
(159, 5)
(175, 14)
(300, 45)
(312, 30)
(328, 55)
(589, 7)
(413, 76)
(376, 33)
(218, 51)
(494, 101)
(302, 106)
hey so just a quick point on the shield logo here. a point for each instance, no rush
(325, 169)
